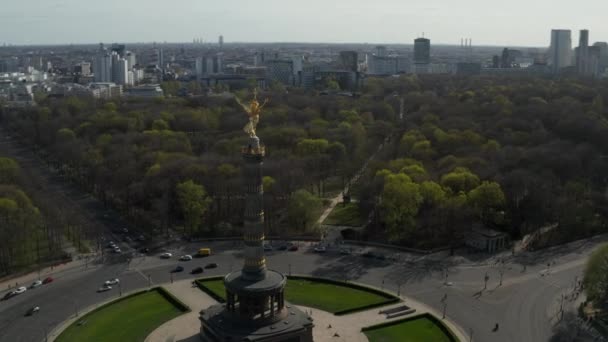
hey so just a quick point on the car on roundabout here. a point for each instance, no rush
(32, 310)
(320, 249)
(20, 290)
(104, 288)
(36, 284)
(48, 280)
(112, 282)
(185, 257)
(282, 247)
(9, 295)
(177, 269)
(166, 255)
(345, 251)
(197, 270)
(267, 248)
(293, 248)
(211, 265)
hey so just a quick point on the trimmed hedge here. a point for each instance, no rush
(428, 316)
(172, 299)
(202, 287)
(390, 299)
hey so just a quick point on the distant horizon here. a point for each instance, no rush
(228, 43)
(514, 23)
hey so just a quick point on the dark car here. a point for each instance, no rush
(211, 265)
(293, 248)
(32, 311)
(177, 269)
(144, 250)
(196, 270)
(48, 280)
(8, 295)
(282, 247)
(368, 255)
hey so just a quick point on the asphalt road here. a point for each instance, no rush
(523, 305)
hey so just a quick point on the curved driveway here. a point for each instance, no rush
(523, 305)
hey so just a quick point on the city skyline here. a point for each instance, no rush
(517, 23)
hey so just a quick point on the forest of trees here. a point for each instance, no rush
(176, 162)
(28, 235)
(513, 154)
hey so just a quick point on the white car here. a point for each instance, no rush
(267, 248)
(117, 250)
(104, 288)
(112, 282)
(320, 249)
(166, 255)
(20, 290)
(185, 258)
(36, 284)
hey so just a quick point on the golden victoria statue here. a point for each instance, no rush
(254, 110)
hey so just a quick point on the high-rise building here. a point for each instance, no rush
(103, 67)
(603, 51)
(422, 51)
(583, 66)
(381, 51)
(349, 60)
(221, 42)
(131, 59)
(120, 71)
(560, 51)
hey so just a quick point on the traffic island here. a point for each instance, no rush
(336, 297)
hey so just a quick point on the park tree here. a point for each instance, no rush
(596, 276)
(302, 210)
(193, 202)
(9, 170)
(461, 179)
(486, 200)
(400, 201)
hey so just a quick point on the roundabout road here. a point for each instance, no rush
(523, 305)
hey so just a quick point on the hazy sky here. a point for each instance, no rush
(504, 23)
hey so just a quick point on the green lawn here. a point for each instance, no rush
(128, 320)
(327, 297)
(345, 215)
(416, 330)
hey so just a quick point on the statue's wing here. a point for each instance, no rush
(264, 104)
(241, 104)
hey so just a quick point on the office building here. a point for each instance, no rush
(560, 51)
(281, 70)
(349, 60)
(381, 51)
(221, 42)
(422, 51)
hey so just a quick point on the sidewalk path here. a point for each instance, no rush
(185, 327)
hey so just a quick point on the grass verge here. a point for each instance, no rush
(129, 319)
(345, 215)
(418, 328)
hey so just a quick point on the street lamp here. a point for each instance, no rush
(289, 270)
(486, 278)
